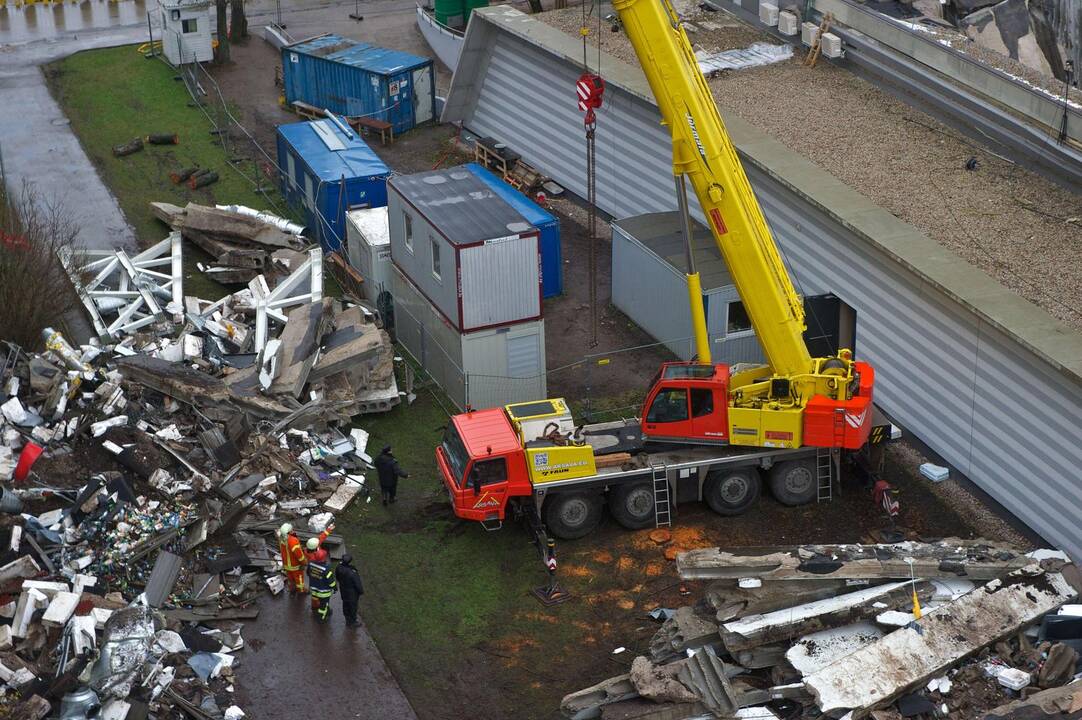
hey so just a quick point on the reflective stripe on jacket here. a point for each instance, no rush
(293, 557)
(321, 580)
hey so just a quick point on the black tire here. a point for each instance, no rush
(633, 505)
(570, 516)
(794, 482)
(732, 491)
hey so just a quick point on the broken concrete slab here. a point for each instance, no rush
(61, 608)
(344, 494)
(299, 345)
(1063, 702)
(730, 601)
(781, 625)
(817, 650)
(912, 655)
(659, 682)
(684, 630)
(586, 704)
(24, 567)
(640, 709)
(704, 673)
(973, 559)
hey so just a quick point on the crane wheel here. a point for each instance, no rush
(794, 482)
(572, 515)
(632, 505)
(731, 491)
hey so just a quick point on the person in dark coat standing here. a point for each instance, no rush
(389, 471)
(349, 584)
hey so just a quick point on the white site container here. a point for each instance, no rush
(768, 14)
(368, 247)
(185, 31)
(831, 46)
(787, 23)
(808, 31)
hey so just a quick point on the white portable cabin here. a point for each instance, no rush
(368, 247)
(185, 31)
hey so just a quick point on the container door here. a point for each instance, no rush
(422, 95)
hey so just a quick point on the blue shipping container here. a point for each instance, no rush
(356, 79)
(552, 266)
(317, 160)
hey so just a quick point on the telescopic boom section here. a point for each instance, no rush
(703, 153)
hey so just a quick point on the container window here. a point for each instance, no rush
(409, 231)
(436, 260)
(738, 318)
(189, 26)
(309, 191)
(291, 172)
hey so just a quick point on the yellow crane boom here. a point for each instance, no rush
(704, 154)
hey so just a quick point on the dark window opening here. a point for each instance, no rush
(670, 405)
(487, 472)
(738, 318)
(189, 26)
(702, 402)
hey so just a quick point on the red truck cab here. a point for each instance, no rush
(482, 464)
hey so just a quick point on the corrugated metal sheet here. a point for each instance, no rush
(990, 407)
(552, 265)
(355, 78)
(499, 282)
(314, 173)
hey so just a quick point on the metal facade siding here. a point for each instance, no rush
(422, 331)
(417, 264)
(350, 90)
(500, 282)
(989, 407)
(486, 358)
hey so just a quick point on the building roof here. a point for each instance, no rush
(330, 153)
(461, 207)
(372, 223)
(358, 54)
(661, 233)
(534, 213)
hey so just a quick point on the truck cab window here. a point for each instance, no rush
(670, 405)
(489, 471)
(702, 402)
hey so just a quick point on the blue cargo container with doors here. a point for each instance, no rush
(353, 78)
(552, 266)
(326, 169)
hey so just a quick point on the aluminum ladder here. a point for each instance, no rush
(662, 507)
(824, 473)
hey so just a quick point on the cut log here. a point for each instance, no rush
(132, 146)
(974, 559)
(181, 176)
(198, 181)
(908, 657)
(162, 139)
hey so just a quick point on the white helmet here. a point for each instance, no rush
(313, 543)
(285, 530)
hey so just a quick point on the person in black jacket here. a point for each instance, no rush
(389, 471)
(349, 584)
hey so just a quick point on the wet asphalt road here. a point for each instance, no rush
(293, 667)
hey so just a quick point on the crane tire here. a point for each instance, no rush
(794, 482)
(572, 515)
(731, 491)
(632, 505)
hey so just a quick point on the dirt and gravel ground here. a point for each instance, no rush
(1013, 224)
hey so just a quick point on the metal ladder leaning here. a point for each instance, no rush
(824, 473)
(662, 509)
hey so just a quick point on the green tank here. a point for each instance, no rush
(452, 13)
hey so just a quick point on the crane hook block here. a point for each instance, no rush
(590, 90)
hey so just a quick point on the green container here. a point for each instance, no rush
(452, 13)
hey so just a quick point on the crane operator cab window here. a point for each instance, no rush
(487, 472)
(670, 405)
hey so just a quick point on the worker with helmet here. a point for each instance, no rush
(294, 560)
(320, 576)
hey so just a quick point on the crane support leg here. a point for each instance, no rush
(552, 593)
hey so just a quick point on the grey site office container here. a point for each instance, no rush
(649, 285)
(468, 252)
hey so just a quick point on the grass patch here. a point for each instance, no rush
(113, 95)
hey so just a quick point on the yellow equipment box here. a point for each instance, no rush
(766, 427)
(536, 419)
(559, 462)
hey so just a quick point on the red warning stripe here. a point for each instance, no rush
(719, 223)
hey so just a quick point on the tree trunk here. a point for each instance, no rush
(222, 55)
(535, 6)
(238, 28)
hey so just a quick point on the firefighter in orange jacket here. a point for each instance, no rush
(294, 559)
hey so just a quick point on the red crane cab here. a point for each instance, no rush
(688, 402)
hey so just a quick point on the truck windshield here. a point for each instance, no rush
(455, 451)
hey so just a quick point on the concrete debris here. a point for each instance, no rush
(685, 630)
(816, 650)
(972, 559)
(587, 703)
(1063, 701)
(705, 674)
(908, 657)
(659, 683)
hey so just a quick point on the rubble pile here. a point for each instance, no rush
(143, 476)
(931, 630)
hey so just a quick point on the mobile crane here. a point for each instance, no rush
(706, 430)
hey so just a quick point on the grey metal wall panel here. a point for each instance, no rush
(990, 407)
(501, 282)
(416, 264)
